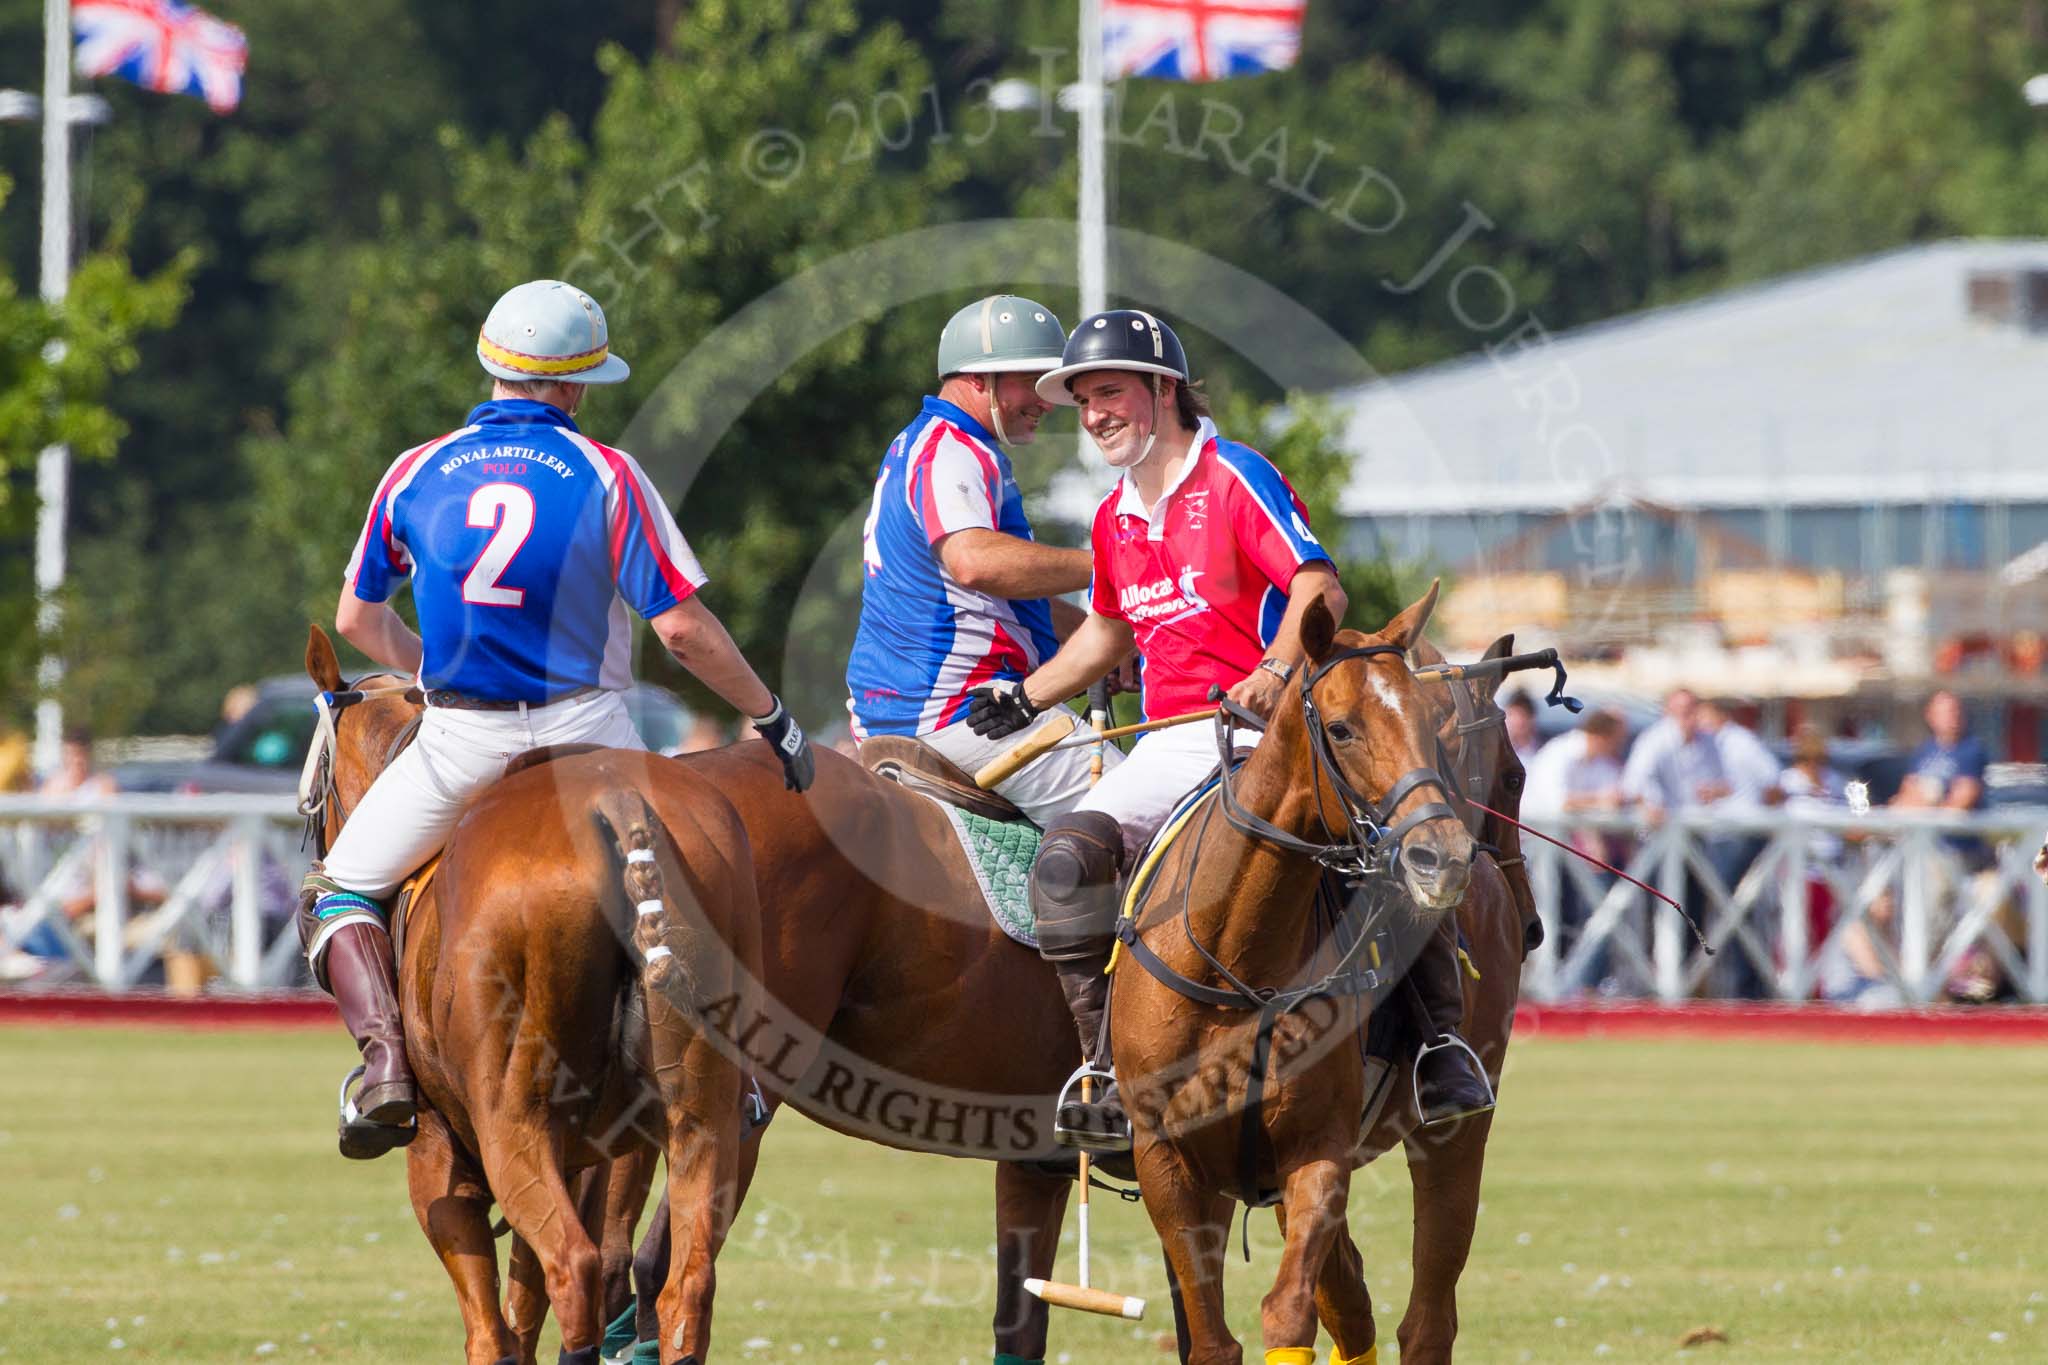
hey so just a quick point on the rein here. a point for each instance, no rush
(1366, 852)
(1373, 835)
(318, 792)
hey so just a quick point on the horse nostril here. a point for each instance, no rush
(1424, 860)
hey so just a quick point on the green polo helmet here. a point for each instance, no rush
(1002, 332)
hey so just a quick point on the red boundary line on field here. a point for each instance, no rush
(1817, 1023)
(281, 1009)
(1786, 1023)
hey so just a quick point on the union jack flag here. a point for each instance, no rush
(161, 45)
(1199, 40)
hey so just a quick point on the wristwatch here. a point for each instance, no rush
(1279, 670)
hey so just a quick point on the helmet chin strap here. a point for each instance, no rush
(995, 412)
(1145, 453)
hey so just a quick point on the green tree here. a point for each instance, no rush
(56, 368)
(657, 215)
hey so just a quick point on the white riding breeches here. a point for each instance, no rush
(1163, 767)
(1048, 786)
(406, 815)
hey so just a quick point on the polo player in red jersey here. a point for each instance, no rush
(1204, 561)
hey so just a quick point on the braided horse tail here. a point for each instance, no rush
(644, 844)
(687, 949)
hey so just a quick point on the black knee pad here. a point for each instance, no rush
(1074, 885)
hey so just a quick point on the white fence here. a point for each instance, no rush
(1886, 907)
(1886, 904)
(212, 875)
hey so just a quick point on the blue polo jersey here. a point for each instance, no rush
(527, 544)
(925, 639)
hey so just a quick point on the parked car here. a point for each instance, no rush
(265, 749)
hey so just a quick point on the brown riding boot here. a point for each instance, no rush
(1449, 1082)
(1097, 1125)
(365, 986)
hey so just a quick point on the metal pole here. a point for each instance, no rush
(53, 467)
(1094, 207)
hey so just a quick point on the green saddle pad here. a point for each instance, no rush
(1000, 852)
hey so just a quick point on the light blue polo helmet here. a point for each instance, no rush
(545, 329)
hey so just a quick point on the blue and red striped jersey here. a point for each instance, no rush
(924, 638)
(526, 543)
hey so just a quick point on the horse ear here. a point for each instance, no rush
(1318, 630)
(1406, 628)
(1423, 654)
(1499, 649)
(321, 664)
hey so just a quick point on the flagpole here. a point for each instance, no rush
(1094, 206)
(53, 467)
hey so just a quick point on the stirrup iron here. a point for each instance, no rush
(1456, 1043)
(361, 1138)
(1085, 1139)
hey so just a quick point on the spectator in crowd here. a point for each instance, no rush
(1809, 786)
(239, 701)
(1521, 721)
(1947, 773)
(1750, 767)
(1751, 770)
(76, 779)
(17, 770)
(1676, 765)
(1947, 770)
(1580, 773)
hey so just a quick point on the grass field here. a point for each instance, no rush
(174, 1196)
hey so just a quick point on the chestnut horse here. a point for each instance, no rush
(1445, 1163)
(1255, 1089)
(872, 965)
(582, 906)
(894, 1009)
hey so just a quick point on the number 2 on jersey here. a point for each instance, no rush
(509, 508)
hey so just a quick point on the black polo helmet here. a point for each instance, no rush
(1121, 339)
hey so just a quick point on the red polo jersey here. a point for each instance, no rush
(1202, 575)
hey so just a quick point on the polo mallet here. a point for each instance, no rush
(1082, 1295)
(1061, 736)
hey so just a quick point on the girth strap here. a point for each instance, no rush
(1251, 1130)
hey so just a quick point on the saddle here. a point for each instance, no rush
(917, 766)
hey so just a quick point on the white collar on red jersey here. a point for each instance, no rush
(1128, 501)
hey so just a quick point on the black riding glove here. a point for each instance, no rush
(792, 746)
(999, 709)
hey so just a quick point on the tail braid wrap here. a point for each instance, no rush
(643, 886)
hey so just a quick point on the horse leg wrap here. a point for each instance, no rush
(586, 1356)
(1073, 886)
(1371, 1357)
(1291, 1355)
(1004, 1358)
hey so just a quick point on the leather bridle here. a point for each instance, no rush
(1373, 832)
(319, 796)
